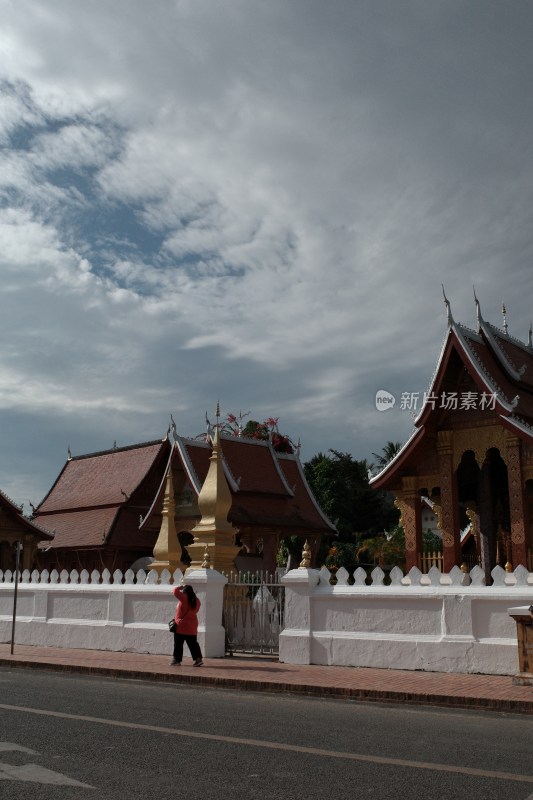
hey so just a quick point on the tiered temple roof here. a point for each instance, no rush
(499, 369)
(114, 498)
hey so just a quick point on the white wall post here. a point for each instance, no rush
(209, 586)
(295, 639)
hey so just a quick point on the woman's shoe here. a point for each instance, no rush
(198, 663)
(175, 663)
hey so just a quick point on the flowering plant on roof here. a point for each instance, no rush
(264, 431)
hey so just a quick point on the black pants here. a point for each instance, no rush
(192, 644)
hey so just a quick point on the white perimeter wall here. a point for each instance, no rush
(434, 622)
(441, 623)
(100, 612)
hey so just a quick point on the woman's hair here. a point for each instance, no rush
(191, 597)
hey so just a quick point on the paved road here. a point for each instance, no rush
(64, 736)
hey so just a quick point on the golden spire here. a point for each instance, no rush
(214, 501)
(167, 551)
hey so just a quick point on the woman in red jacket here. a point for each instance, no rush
(186, 619)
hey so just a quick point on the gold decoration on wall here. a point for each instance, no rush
(400, 505)
(305, 563)
(479, 440)
(437, 510)
(206, 563)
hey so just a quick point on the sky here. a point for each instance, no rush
(252, 203)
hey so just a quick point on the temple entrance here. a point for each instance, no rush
(254, 607)
(483, 497)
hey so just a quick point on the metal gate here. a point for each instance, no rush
(254, 607)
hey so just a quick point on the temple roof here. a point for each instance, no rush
(85, 502)
(10, 508)
(500, 367)
(99, 498)
(269, 489)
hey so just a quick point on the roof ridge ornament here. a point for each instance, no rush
(530, 336)
(504, 314)
(478, 309)
(448, 308)
(174, 429)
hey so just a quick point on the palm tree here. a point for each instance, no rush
(390, 450)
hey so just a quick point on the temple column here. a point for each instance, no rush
(408, 503)
(448, 508)
(28, 552)
(516, 500)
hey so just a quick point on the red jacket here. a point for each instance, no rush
(186, 618)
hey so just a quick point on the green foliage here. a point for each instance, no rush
(384, 550)
(340, 485)
(388, 452)
(289, 546)
(341, 554)
(431, 542)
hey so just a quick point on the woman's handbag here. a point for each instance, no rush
(172, 625)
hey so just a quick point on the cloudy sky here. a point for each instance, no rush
(255, 202)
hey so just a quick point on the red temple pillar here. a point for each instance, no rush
(516, 500)
(448, 507)
(408, 503)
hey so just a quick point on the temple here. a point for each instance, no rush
(15, 527)
(110, 509)
(471, 453)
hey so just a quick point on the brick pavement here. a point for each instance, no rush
(488, 692)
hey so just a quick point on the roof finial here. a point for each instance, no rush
(478, 307)
(530, 336)
(217, 412)
(448, 308)
(504, 312)
(174, 430)
(69, 454)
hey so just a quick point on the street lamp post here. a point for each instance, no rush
(17, 565)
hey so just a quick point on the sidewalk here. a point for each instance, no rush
(488, 692)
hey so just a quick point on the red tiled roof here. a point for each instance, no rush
(304, 503)
(272, 490)
(255, 467)
(86, 528)
(87, 507)
(252, 464)
(100, 478)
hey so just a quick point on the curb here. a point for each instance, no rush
(310, 690)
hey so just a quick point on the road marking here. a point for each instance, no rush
(9, 747)
(292, 748)
(33, 773)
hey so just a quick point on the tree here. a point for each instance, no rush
(340, 485)
(384, 550)
(388, 452)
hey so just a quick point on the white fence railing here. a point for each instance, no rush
(440, 622)
(436, 622)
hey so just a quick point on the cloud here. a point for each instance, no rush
(253, 202)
